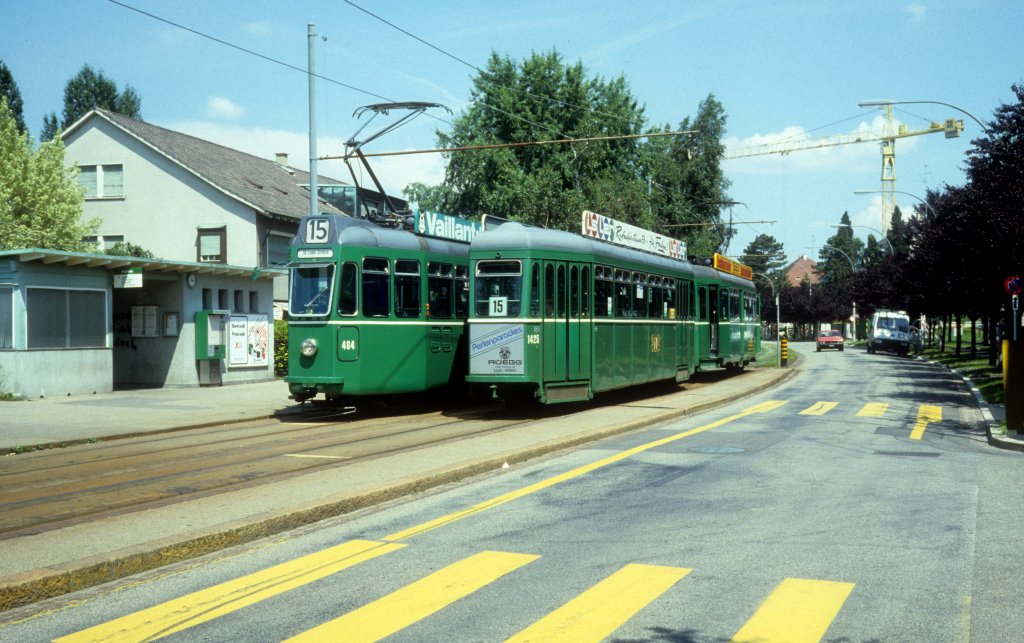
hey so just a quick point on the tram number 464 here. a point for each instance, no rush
(348, 345)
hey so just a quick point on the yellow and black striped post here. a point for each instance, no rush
(784, 351)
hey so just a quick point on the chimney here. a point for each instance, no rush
(282, 159)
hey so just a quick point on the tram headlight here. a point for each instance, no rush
(308, 347)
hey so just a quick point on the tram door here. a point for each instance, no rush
(566, 325)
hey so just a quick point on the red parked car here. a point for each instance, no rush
(830, 339)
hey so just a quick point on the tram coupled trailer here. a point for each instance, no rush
(728, 318)
(561, 317)
(374, 311)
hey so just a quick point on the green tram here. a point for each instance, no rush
(561, 316)
(375, 310)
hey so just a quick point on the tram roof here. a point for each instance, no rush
(352, 231)
(517, 236)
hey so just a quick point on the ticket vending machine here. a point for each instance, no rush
(211, 345)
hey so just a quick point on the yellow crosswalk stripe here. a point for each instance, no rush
(418, 600)
(926, 414)
(763, 407)
(873, 410)
(205, 605)
(599, 611)
(819, 408)
(798, 611)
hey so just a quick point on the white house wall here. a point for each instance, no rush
(164, 204)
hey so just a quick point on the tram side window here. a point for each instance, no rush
(748, 306)
(535, 290)
(439, 289)
(407, 288)
(639, 295)
(623, 294)
(376, 287)
(560, 292)
(498, 289)
(654, 300)
(671, 306)
(574, 291)
(549, 291)
(604, 290)
(734, 304)
(461, 292)
(585, 292)
(702, 303)
(347, 290)
(723, 304)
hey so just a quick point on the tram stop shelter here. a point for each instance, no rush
(79, 323)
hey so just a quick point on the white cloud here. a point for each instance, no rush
(917, 12)
(223, 108)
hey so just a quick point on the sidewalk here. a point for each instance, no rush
(87, 418)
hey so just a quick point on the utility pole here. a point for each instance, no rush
(313, 189)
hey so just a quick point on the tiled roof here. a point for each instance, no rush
(800, 270)
(260, 183)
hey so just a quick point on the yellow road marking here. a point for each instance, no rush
(418, 600)
(764, 407)
(599, 611)
(873, 410)
(926, 414)
(798, 610)
(205, 605)
(819, 408)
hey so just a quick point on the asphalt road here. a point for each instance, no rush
(860, 501)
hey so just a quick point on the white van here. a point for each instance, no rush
(889, 331)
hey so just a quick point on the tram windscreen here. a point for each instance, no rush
(311, 290)
(498, 288)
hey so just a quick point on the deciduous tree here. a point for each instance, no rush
(40, 200)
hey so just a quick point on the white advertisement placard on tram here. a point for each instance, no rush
(496, 349)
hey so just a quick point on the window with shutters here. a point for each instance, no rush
(211, 245)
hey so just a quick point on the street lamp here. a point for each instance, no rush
(923, 202)
(887, 101)
(778, 326)
(853, 269)
(850, 225)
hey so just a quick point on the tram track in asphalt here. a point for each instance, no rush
(117, 478)
(52, 489)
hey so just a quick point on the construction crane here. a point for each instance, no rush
(890, 132)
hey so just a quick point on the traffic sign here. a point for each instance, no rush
(1013, 285)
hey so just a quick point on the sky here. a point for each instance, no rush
(783, 69)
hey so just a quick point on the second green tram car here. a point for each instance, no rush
(374, 310)
(562, 317)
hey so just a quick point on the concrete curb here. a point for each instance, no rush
(30, 587)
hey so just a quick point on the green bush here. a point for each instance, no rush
(280, 347)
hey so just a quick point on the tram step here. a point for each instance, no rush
(567, 393)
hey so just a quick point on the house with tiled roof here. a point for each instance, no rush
(186, 199)
(199, 313)
(801, 270)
